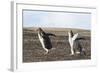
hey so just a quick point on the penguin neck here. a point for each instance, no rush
(69, 35)
(41, 32)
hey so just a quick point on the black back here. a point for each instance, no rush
(45, 36)
(47, 42)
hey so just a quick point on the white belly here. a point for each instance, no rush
(71, 42)
(41, 41)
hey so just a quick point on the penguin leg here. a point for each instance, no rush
(46, 51)
(83, 51)
(72, 51)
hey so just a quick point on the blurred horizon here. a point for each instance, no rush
(51, 19)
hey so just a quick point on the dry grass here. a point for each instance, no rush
(33, 51)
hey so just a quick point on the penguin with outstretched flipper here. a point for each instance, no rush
(45, 39)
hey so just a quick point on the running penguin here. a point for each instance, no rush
(73, 39)
(45, 40)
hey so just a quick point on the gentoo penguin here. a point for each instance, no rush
(73, 39)
(79, 47)
(45, 40)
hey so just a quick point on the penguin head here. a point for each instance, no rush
(39, 29)
(70, 33)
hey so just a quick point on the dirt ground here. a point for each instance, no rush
(33, 51)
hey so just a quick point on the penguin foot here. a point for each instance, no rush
(77, 52)
(71, 54)
(46, 52)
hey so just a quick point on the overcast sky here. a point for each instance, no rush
(56, 19)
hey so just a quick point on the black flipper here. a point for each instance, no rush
(80, 38)
(50, 34)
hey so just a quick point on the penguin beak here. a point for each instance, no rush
(37, 29)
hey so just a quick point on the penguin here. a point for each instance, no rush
(71, 39)
(45, 39)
